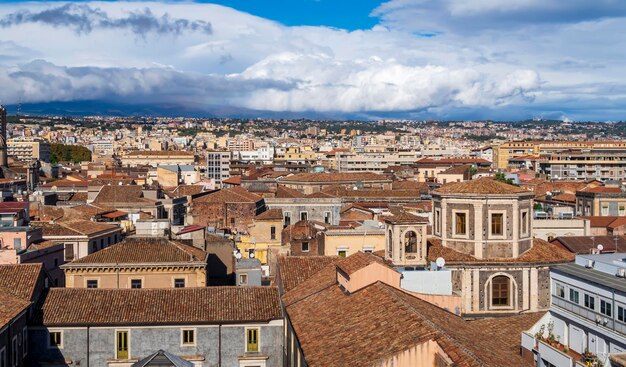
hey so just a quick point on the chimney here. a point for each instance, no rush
(3, 137)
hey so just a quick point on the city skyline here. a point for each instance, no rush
(366, 60)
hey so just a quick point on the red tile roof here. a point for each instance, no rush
(335, 177)
(296, 269)
(541, 252)
(483, 185)
(146, 250)
(124, 307)
(20, 280)
(270, 215)
(389, 321)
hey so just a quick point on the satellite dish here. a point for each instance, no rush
(440, 262)
(238, 255)
(600, 247)
(251, 255)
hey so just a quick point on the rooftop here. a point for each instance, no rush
(335, 177)
(483, 185)
(143, 250)
(123, 307)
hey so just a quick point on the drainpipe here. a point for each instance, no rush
(88, 346)
(219, 345)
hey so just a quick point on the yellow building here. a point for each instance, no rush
(137, 262)
(264, 237)
(345, 241)
(512, 149)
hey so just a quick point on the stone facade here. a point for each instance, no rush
(214, 344)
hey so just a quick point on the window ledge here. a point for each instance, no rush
(253, 356)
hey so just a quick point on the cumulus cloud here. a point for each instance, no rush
(83, 18)
(41, 81)
(478, 64)
(472, 15)
(375, 84)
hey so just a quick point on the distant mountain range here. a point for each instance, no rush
(91, 108)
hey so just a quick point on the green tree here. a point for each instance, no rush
(69, 153)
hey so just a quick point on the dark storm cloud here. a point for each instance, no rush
(85, 19)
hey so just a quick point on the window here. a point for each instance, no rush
(605, 308)
(17, 243)
(24, 341)
(342, 253)
(243, 279)
(287, 218)
(574, 296)
(121, 347)
(437, 221)
(410, 242)
(92, 283)
(305, 247)
(55, 339)
(179, 283)
(327, 217)
(560, 291)
(304, 215)
(460, 223)
(500, 291)
(590, 302)
(135, 283)
(524, 222)
(496, 224)
(605, 210)
(622, 210)
(272, 233)
(252, 340)
(621, 313)
(14, 353)
(189, 337)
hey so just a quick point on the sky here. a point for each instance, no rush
(417, 59)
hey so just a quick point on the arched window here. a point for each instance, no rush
(390, 243)
(500, 291)
(410, 242)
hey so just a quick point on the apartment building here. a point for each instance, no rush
(25, 149)
(586, 323)
(211, 326)
(373, 161)
(158, 158)
(559, 153)
(218, 166)
(137, 262)
(608, 200)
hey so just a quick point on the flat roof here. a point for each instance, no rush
(592, 275)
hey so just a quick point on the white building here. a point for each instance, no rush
(587, 314)
(218, 166)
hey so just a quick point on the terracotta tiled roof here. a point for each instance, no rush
(483, 185)
(231, 195)
(20, 280)
(208, 305)
(401, 216)
(457, 170)
(357, 261)
(421, 187)
(602, 190)
(444, 161)
(389, 321)
(138, 250)
(185, 190)
(335, 177)
(584, 244)
(541, 252)
(11, 308)
(74, 227)
(271, 214)
(296, 269)
(160, 153)
(234, 180)
(568, 198)
(600, 221)
(121, 194)
(285, 192)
